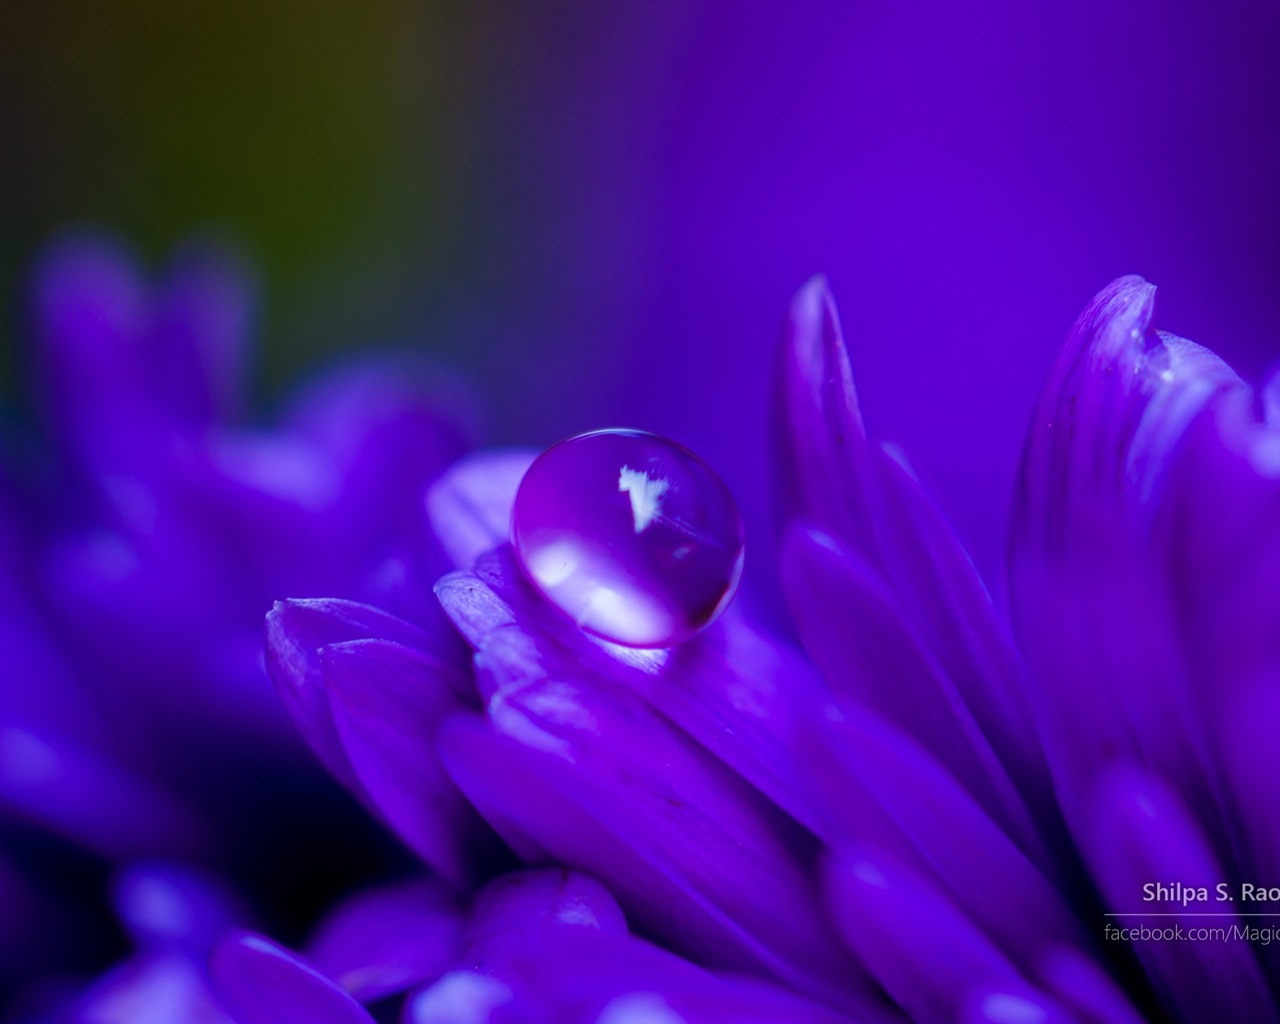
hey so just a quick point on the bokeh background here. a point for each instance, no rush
(597, 211)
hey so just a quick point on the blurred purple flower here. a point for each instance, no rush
(938, 815)
(173, 521)
(144, 533)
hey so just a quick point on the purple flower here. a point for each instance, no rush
(940, 817)
(935, 812)
(537, 945)
(146, 526)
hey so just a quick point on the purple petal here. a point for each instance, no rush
(928, 956)
(939, 587)
(1246, 736)
(469, 507)
(39, 688)
(576, 976)
(147, 577)
(1094, 608)
(995, 1005)
(384, 941)
(496, 593)
(467, 997)
(748, 1001)
(562, 771)
(473, 608)
(89, 301)
(820, 441)
(347, 406)
(1101, 637)
(1220, 525)
(148, 608)
(266, 500)
(1081, 985)
(260, 982)
(203, 319)
(296, 631)
(1182, 379)
(267, 468)
(744, 696)
(737, 691)
(390, 429)
(879, 788)
(387, 701)
(1115, 404)
(89, 799)
(520, 907)
(1138, 833)
(868, 651)
(90, 309)
(157, 986)
(867, 497)
(173, 905)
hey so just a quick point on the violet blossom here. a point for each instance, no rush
(925, 815)
(144, 529)
(939, 816)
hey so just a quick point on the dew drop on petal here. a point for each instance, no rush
(630, 535)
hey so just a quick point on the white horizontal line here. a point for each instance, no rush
(1140, 914)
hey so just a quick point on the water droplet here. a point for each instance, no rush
(631, 535)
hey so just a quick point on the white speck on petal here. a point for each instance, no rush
(1009, 1009)
(459, 997)
(639, 1008)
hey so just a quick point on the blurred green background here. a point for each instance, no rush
(354, 148)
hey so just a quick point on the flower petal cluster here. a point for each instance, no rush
(146, 525)
(929, 813)
(941, 814)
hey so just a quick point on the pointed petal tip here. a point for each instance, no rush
(296, 632)
(810, 296)
(1130, 298)
(275, 619)
(301, 626)
(1133, 281)
(474, 609)
(87, 263)
(818, 432)
(288, 656)
(813, 325)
